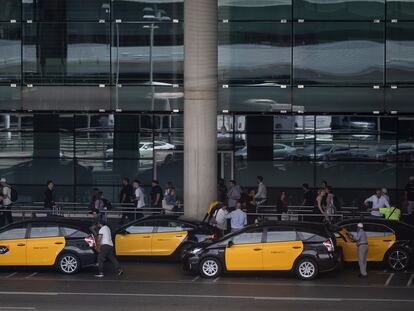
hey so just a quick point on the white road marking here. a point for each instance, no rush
(31, 275)
(410, 281)
(216, 279)
(11, 274)
(17, 308)
(195, 279)
(281, 298)
(387, 282)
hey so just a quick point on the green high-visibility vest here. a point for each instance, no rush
(391, 213)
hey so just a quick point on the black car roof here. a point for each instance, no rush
(164, 217)
(83, 223)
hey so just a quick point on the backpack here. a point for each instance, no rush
(13, 194)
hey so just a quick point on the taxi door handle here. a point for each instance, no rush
(257, 249)
(162, 239)
(58, 243)
(147, 237)
(387, 240)
(296, 247)
(178, 236)
(21, 244)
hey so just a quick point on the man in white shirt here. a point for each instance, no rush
(220, 220)
(7, 202)
(261, 195)
(378, 201)
(105, 246)
(139, 197)
(238, 218)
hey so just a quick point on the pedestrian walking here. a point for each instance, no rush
(169, 203)
(220, 220)
(7, 200)
(126, 197)
(49, 198)
(261, 194)
(156, 194)
(238, 218)
(139, 199)
(378, 200)
(320, 205)
(282, 206)
(105, 247)
(362, 243)
(233, 195)
(100, 206)
(308, 196)
(251, 207)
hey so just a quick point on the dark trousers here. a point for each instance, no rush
(107, 252)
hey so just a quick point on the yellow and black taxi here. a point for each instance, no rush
(305, 248)
(161, 236)
(65, 244)
(389, 241)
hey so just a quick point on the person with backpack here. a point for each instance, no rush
(9, 196)
(100, 206)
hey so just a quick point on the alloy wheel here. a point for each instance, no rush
(398, 260)
(68, 264)
(210, 268)
(307, 269)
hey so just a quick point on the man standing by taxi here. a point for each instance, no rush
(238, 218)
(362, 243)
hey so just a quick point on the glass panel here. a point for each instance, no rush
(10, 98)
(254, 52)
(172, 226)
(170, 168)
(40, 230)
(254, 9)
(339, 10)
(399, 99)
(10, 9)
(70, 10)
(66, 53)
(251, 237)
(270, 99)
(148, 52)
(148, 10)
(147, 98)
(13, 234)
(143, 227)
(338, 53)
(338, 99)
(400, 53)
(406, 139)
(35, 193)
(10, 52)
(400, 9)
(69, 98)
(277, 235)
(69, 232)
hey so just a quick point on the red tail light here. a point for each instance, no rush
(213, 236)
(90, 239)
(329, 245)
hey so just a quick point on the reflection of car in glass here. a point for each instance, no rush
(64, 244)
(388, 152)
(326, 152)
(305, 248)
(391, 242)
(161, 236)
(280, 151)
(146, 152)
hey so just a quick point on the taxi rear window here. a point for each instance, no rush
(71, 232)
(310, 237)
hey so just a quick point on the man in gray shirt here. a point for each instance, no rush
(238, 218)
(362, 242)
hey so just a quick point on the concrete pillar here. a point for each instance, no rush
(200, 106)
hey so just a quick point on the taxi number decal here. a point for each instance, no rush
(4, 250)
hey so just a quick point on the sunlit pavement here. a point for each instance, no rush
(165, 286)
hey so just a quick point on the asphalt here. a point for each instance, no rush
(164, 286)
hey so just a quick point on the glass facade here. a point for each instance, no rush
(92, 90)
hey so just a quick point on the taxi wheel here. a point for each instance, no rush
(306, 269)
(398, 259)
(210, 267)
(68, 263)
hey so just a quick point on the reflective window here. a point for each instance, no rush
(10, 98)
(312, 237)
(10, 9)
(280, 235)
(147, 52)
(10, 46)
(142, 227)
(70, 10)
(13, 234)
(254, 52)
(399, 99)
(148, 10)
(70, 232)
(249, 237)
(66, 53)
(400, 53)
(172, 226)
(338, 53)
(44, 230)
(339, 10)
(400, 9)
(254, 10)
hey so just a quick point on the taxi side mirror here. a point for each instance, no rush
(230, 243)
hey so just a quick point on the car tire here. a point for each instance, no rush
(68, 263)
(397, 259)
(306, 269)
(210, 268)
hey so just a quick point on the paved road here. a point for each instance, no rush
(164, 286)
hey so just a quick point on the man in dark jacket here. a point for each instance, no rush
(126, 197)
(49, 198)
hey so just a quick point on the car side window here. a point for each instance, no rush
(280, 235)
(44, 230)
(69, 232)
(310, 237)
(142, 227)
(172, 226)
(249, 237)
(14, 233)
(377, 230)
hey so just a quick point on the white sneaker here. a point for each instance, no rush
(99, 275)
